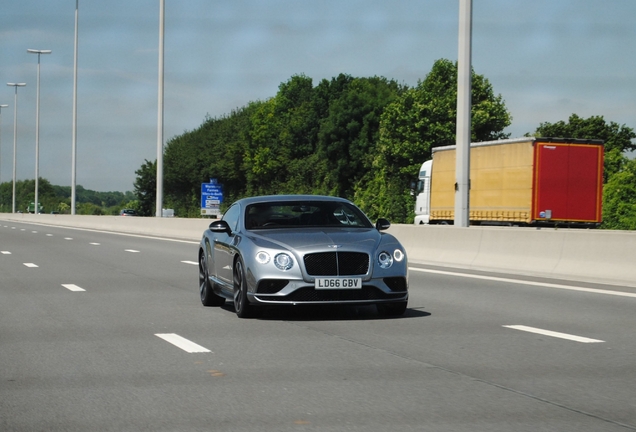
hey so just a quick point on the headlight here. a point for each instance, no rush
(398, 255)
(283, 261)
(262, 257)
(385, 260)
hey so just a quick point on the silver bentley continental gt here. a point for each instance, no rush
(301, 250)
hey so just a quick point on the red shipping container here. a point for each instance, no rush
(568, 179)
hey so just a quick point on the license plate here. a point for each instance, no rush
(338, 283)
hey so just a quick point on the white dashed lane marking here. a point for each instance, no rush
(68, 238)
(190, 262)
(31, 265)
(95, 244)
(73, 287)
(183, 343)
(5, 252)
(132, 251)
(554, 334)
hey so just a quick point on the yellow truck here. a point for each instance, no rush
(523, 181)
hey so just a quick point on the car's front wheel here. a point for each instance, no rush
(241, 303)
(208, 297)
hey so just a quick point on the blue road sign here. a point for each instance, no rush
(211, 195)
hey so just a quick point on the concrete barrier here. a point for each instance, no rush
(186, 229)
(598, 256)
(582, 255)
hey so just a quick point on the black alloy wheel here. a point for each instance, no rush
(208, 297)
(241, 304)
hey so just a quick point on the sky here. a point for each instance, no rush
(546, 58)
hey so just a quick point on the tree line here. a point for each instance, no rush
(359, 138)
(57, 199)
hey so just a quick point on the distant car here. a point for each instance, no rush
(128, 212)
(301, 250)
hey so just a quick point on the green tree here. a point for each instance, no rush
(349, 132)
(146, 187)
(619, 199)
(281, 136)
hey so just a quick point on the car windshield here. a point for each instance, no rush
(304, 214)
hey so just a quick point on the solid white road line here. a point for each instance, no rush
(554, 334)
(182, 343)
(524, 282)
(30, 265)
(190, 262)
(73, 287)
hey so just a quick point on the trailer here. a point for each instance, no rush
(523, 181)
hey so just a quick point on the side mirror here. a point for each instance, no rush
(220, 226)
(382, 224)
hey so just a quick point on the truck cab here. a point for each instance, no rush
(423, 194)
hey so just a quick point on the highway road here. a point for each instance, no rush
(105, 332)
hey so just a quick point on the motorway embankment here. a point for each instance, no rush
(599, 256)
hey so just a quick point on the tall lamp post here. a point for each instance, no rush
(74, 143)
(463, 127)
(37, 128)
(15, 134)
(159, 200)
(1, 106)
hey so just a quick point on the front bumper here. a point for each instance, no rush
(288, 292)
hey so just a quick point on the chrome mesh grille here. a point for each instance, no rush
(336, 263)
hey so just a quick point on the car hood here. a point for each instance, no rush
(306, 240)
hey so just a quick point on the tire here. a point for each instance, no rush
(392, 309)
(208, 297)
(241, 303)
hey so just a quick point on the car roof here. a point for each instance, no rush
(283, 198)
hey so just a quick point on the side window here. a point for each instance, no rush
(232, 216)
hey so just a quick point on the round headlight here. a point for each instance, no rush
(385, 260)
(398, 255)
(283, 261)
(262, 257)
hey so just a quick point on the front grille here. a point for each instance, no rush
(337, 263)
(271, 286)
(309, 294)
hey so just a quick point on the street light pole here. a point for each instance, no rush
(74, 143)
(15, 134)
(1, 106)
(463, 128)
(159, 201)
(37, 128)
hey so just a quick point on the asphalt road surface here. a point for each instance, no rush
(105, 332)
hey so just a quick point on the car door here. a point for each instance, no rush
(224, 246)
